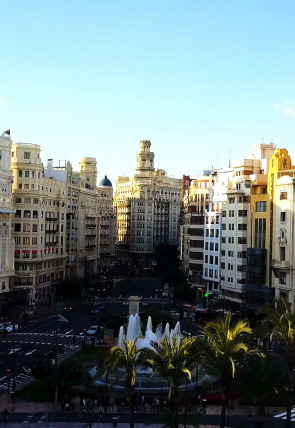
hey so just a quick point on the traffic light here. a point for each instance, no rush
(206, 294)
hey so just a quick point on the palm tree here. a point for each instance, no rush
(172, 359)
(126, 358)
(224, 346)
(282, 321)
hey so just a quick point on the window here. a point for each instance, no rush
(231, 240)
(231, 226)
(27, 174)
(34, 241)
(282, 278)
(26, 240)
(217, 233)
(282, 254)
(230, 253)
(27, 228)
(283, 216)
(27, 155)
(231, 213)
(18, 200)
(261, 206)
(0, 154)
(34, 228)
(216, 246)
(17, 240)
(20, 173)
(17, 254)
(35, 201)
(26, 254)
(17, 227)
(242, 226)
(242, 240)
(242, 213)
(231, 200)
(283, 196)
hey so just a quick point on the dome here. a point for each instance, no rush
(105, 182)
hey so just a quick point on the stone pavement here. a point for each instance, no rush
(20, 406)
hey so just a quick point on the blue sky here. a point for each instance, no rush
(203, 80)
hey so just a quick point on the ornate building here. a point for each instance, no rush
(147, 207)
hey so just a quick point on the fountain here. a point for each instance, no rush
(134, 331)
(144, 381)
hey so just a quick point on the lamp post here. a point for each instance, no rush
(8, 380)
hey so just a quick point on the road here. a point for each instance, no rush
(16, 349)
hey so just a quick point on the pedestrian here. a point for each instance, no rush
(5, 415)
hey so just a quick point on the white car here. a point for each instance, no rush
(92, 331)
(165, 294)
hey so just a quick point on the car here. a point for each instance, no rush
(98, 310)
(165, 294)
(69, 308)
(92, 331)
(9, 327)
(159, 290)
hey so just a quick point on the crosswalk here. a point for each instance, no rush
(124, 300)
(25, 344)
(283, 415)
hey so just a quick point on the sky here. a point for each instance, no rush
(204, 80)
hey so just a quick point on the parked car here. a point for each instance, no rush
(92, 331)
(7, 327)
(165, 293)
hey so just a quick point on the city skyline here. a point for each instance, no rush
(194, 78)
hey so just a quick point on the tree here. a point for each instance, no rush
(128, 359)
(172, 359)
(268, 388)
(282, 321)
(41, 368)
(70, 372)
(223, 347)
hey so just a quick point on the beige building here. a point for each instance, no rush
(147, 207)
(6, 214)
(90, 220)
(39, 224)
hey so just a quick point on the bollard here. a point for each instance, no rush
(115, 421)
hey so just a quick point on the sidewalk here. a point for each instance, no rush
(18, 405)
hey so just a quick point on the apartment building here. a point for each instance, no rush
(107, 223)
(6, 214)
(195, 203)
(147, 207)
(281, 261)
(39, 224)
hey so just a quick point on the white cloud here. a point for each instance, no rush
(290, 111)
(286, 108)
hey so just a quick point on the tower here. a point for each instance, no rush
(88, 170)
(145, 158)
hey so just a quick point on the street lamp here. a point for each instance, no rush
(8, 380)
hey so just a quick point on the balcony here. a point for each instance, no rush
(278, 264)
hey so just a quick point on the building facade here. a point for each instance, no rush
(147, 208)
(39, 224)
(6, 214)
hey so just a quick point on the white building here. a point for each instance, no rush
(6, 214)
